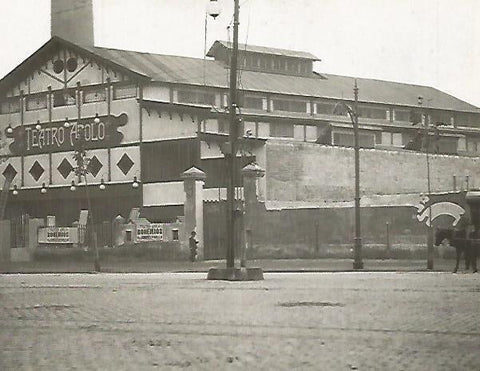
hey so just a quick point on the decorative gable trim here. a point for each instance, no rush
(38, 60)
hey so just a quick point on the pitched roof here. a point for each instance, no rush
(206, 72)
(261, 49)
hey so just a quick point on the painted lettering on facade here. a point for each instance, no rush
(55, 137)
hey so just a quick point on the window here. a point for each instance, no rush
(124, 91)
(347, 139)
(251, 61)
(397, 139)
(289, 105)
(392, 139)
(325, 108)
(196, 97)
(97, 95)
(473, 146)
(249, 128)
(401, 115)
(281, 130)
(386, 138)
(36, 102)
(468, 119)
(292, 66)
(373, 113)
(441, 117)
(10, 106)
(62, 98)
(253, 102)
(223, 126)
(264, 63)
(175, 234)
(311, 134)
(277, 64)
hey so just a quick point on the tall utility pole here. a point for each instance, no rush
(231, 151)
(357, 263)
(426, 127)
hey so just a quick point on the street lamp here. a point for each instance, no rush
(135, 183)
(43, 190)
(353, 113)
(429, 191)
(82, 169)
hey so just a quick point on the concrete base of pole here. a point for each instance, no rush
(235, 274)
(357, 265)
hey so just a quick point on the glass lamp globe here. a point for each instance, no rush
(213, 9)
(135, 182)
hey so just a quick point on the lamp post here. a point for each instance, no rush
(426, 128)
(81, 170)
(353, 113)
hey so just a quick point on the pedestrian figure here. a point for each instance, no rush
(463, 232)
(193, 245)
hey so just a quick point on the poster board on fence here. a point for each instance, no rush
(149, 232)
(58, 235)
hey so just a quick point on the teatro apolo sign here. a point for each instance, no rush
(56, 137)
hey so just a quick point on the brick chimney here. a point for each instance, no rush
(72, 20)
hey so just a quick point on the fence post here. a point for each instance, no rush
(250, 173)
(5, 240)
(389, 247)
(193, 180)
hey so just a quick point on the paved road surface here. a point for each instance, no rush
(303, 321)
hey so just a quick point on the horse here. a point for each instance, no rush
(464, 246)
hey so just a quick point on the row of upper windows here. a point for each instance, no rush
(68, 97)
(275, 64)
(329, 108)
(343, 137)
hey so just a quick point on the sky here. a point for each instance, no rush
(425, 42)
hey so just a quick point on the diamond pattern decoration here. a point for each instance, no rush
(36, 171)
(9, 172)
(94, 166)
(65, 168)
(125, 164)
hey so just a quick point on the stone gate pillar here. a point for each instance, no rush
(193, 181)
(251, 173)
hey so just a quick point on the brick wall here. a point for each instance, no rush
(313, 172)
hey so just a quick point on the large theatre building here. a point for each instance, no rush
(146, 118)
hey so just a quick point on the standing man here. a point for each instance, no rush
(461, 235)
(193, 245)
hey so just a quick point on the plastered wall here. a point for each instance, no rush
(313, 172)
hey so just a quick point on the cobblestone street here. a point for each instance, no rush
(307, 321)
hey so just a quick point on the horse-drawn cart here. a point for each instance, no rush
(465, 238)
